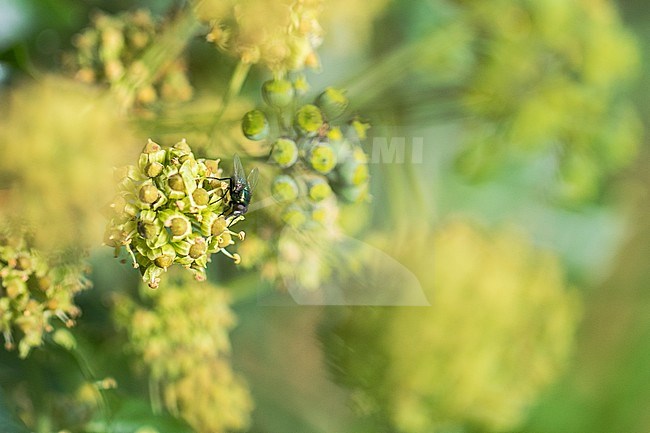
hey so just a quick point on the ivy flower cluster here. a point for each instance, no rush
(281, 35)
(171, 208)
(318, 158)
(496, 300)
(188, 355)
(114, 46)
(35, 290)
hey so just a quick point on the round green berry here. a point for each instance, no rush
(284, 188)
(309, 120)
(332, 102)
(255, 125)
(277, 93)
(284, 152)
(294, 216)
(318, 189)
(354, 170)
(322, 158)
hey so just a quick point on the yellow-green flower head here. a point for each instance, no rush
(177, 213)
(60, 141)
(180, 336)
(281, 35)
(495, 301)
(113, 47)
(36, 290)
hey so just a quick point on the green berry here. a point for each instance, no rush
(318, 189)
(332, 102)
(322, 158)
(309, 120)
(255, 125)
(294, 216)
(354, 170)
(284, 152)
(284, 188)
(277, 93)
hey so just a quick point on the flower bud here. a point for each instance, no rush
(322, 158)
(354, 170)
(318, 189)
(277, 93)
(198, 248)
(284, 152)
(153, 169)
(201, 197)
(218, 226)
(148, 193)
(166, 258)
(284, 188)
(176, 183)
(332, 102)
(308, 120)
(255, 125)
(360, 129)
(294, 216)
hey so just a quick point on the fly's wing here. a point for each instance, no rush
(238, 170)
(253, 177)
(344, 271)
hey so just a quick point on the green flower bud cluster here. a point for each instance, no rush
(495, 300)
(112, 47)
(34, 291)
(318, 155)
(171, 208)
(188, 355)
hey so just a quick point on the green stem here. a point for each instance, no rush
(90, 376)
(154, 396)
(234, 87)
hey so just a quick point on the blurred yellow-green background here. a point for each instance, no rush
(509, 185)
